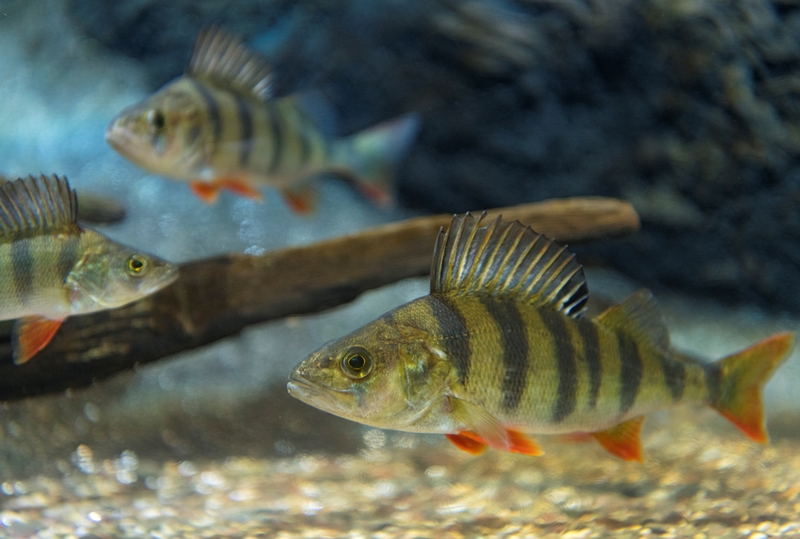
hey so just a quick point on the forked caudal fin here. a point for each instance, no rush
(736, 383)
(373, 155)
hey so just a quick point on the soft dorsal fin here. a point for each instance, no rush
(640, 317)
(509, 261)
(37, 204)
(220, 58)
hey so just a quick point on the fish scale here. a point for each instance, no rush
(499, 350)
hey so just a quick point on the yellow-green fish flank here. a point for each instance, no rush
(499, 350)
(219, 127)
(53, 268)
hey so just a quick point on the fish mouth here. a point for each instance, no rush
(324, 398)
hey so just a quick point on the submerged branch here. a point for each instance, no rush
(218, 297)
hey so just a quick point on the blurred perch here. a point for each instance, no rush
(218, 297)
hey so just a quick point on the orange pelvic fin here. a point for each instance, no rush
(240, 187)
(741, 379)
(205, 191)
(517, 443)
(378, 195)
(31, 334)
(467, 441)
(302, 199)
(623, 440)
(520, 443)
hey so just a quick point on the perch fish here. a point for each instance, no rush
(499, 350)
(53, 268)
(219, 127)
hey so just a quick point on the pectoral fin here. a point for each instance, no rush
(623, 440)
(31, 334)
(207, 192)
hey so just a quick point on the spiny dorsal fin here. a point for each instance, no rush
(640, 317)
(509, 261)
(37, 204)
(220, 58)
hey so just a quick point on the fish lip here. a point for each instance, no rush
(300, 388)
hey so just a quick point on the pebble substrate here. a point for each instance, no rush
(698, 481)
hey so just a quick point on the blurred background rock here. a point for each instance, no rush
(690, 109)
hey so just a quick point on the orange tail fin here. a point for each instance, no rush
(736, 383)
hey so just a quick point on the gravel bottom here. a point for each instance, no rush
(700, 479)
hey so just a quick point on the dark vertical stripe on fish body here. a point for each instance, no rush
(246, 133)
(455, 335)
(22, 266)
(591, 350)
(277, 137)
(630, 373)
(67, 254)
(567, 393)
(212, 108)
(713, 375)
(515, 349)
(674, 376)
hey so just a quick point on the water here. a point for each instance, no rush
(208, 444)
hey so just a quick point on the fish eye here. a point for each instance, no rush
(357, 363)
(136, 265)
(156, 119)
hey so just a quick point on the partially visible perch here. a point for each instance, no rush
(218, 297)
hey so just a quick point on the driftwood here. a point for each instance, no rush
(218, 297)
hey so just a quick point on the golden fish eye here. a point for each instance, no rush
(156, 119)
(357, 363)
(136, 265)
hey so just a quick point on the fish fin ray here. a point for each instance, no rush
(301, 199)
(481, 422)
(37, 203)
(467, 441)
(205, 191)
(743, 376)
(507, 260)
(31, 334)
(521, 443)
(640, 317)
(223, 60)
(623, 440)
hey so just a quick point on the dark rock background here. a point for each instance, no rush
(690, 110)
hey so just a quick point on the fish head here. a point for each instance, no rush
(168, 133)
(112, 275)
(384, 375)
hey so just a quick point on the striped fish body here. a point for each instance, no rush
(52, 268)
(539, 371)
(218, 127)
(499, 350)
(37, 267)
(263, 143)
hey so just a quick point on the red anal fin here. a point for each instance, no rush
(241, 188)
(623, 440)
(31, 334)
(301, 200)
(207, 192)
(519, 443)
(467, 441)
